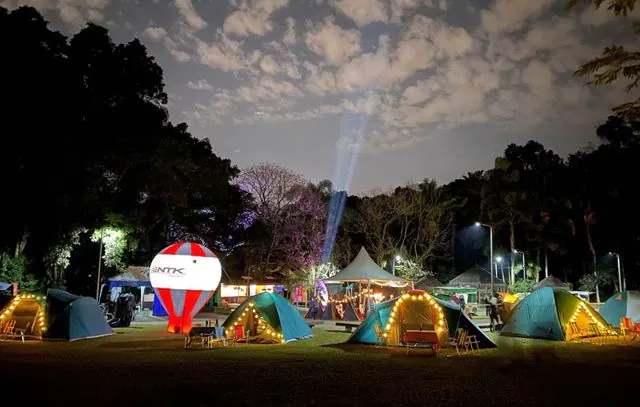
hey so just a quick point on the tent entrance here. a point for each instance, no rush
(415, 312)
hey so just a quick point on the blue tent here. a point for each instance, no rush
(71, 317)
(366, 334)
(269, 317)
(620, 305)
(548, 312)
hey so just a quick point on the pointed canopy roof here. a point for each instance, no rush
(552, 281)
(364, 270)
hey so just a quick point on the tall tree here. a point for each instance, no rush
(616, 61)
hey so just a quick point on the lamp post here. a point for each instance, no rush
(620, 283)
(524, 266)
(490, 251)
(99, 268)
(498, 261)
(395, 260)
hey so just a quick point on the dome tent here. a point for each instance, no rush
(419, 314)
(72, 317)
(620, 305)
(548, 313)
(269, 318)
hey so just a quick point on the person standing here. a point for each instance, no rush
(463, 303)
(493, 313)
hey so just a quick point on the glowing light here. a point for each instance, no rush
(189, 269)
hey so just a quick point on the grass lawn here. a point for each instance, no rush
(145, 366)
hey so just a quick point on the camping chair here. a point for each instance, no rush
(601, 335)
(626, 327)
(380, 338)
(459, 341)
(8, 327)
(575, 329)
(219, 337)
(472, 340)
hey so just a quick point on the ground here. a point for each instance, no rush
(145, 366)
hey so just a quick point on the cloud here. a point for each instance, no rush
(159, 34)
(226, 54)
(201, 84)
(252, 17)
(189, 14)
(74, 13)
(333, 42)
(364, 12)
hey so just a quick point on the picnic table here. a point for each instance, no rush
(415, 338)
(203, 332)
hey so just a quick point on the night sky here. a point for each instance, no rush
(432, 88)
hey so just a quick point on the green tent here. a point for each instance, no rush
(72, 317)
(268, 317)
(454, 318)
(548, 313)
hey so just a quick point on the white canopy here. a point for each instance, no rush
(364, 270)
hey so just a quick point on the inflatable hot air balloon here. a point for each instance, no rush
(184, 276)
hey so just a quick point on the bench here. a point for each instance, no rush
(348, 326)
(413, 339)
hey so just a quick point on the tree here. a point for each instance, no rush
(58, 259)
(13, 269)
(109, 149)
(615, 61)
(273, 189)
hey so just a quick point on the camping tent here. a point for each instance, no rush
(339, 310)
(547, 313)
(364, 270)
(416, 308)
(25, 313)
(552, 281)
(268, 317)
(624, 304)
(72, 317)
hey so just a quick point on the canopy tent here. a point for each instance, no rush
(416, 308)
(4, 286)
(552, 281)
(620, 305)
(24, 313)
(135, 276)
(364, 270)
(548, 313)
(72, 317)
(268, 318)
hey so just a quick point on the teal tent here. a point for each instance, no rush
(71, 317)
(548, 313)
(268, 317)
(620, 305)
(366, 334)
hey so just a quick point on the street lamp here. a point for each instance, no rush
(478, 224)
(622, 284)
(524, 266)
(498, 261)
(396, 259)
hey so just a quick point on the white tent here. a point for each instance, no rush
(364, 270)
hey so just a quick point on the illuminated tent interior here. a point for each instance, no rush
(621, 305)
(416, 310)
(267, 318)
(340, 310)
(25, 313)
(509, 302)
(548, 313)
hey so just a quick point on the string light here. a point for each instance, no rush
(40, 314)
(250, 311)
(424, 297)
(583, 307)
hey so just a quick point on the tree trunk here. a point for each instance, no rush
(512, 236)
(20, 245)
